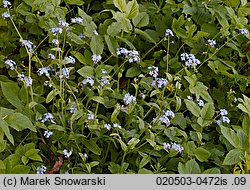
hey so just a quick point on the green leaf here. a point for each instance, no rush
(133, 72)
(120, 4)
(202, 154)
(230, 135)
(96, 45)
(233, 157)
(146, 159)
(125, 22)
(32, 154)
(146, 35)
(98, 99)
(79, 57)
(212, 171)
(190, 167)
(141, 20)
(86, 71)
(52, 94)
(114, 29)
(20, 169)
(133, 142)
(6, 130)
(207, 111)
(75, 2)
(192, 107)
(25, 160)
(132, 9)
(10, 91)
(112, 44)
(145, 171)
(92, 146)
(20, 122)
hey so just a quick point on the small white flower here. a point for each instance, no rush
(65, 73)
(95, 32)
(67, 153)
(76, 20)
(88, 80)
(91, 116)
(73, 109)
(81, 35)
(47, 134)
(223, 112)
(143, 96)
(200, 103)
(177, 147)
(217, 122)
(225, 119)
(47, 83)
(11, 64)
(170, 114)
(44, 70)
(69, 59)
(107, 126)
(48, 117)
(55, 42)
(190, 98)
(211, 43)
(96, 58)
(6, 4)
(56, 31)
(166, 146)
(5, 15)
(169, 33)
(27, 80)
(165, 120)
(116, 125)
(62, 23)
(190, 60)
(28, 44)
(153, 71)
(41, 170)
(51, 56)
(243, 31)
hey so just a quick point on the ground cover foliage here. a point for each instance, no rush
(118, 86)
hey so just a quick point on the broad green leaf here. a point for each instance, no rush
(146, 35)
(6, 130)
(98, 99)
(85, 17)
(120, 4)
(114, 29)
(75, 2)
(112, 44)
(202, 154)
(96, 45)
(133, 72)
(132, 9)
(92, 146)
(79, 57)
(3, 144)
(52, 94)
(32, 154)
(141, 20)
(129, 44)
(230, 135)
(20, 169)
(20, 122)
(133, 142)
(2, 167)
(25, 160)
(193, 107)
(190, 167)
(10, 91)
(233, 157)
(146, 159)
(145, 171)
(243, 138)
(86, 71)
(207, 112)
(190, 147)
(212, 171)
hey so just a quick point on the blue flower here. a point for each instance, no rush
(5, 15)
(128, 99)
(11, 64)
(96, 58)
(76, 20)
(41, 170)
(67, 153)
(47, 133)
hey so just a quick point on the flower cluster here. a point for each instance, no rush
(67, 153)
(41, 170)
(56, 31)
(200, 102)
(224, 118)
(73, 109)
(244, 31)
(88, 80)
(69, 59)
(5, 15)
(28, 44)
(168, 33)
(211, 43)
(190, 60)
(47, 134)
(115, 125)
(11, 64)
(55, 42)
(176, 147)
(132, 55)
(62, 23)
(153, 71)
(48, 117)
(44, 70)
(76, 20)
(6, 4)
(96, 58)
(160, 82)
(128, 99)
(165, 118)
(51, 56)
(26, 80)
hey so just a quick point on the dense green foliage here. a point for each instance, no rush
(119, 86)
